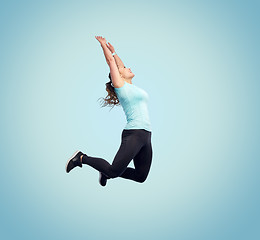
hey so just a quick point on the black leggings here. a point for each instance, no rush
(136, 145)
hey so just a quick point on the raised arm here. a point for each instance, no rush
(107, 52)
(114, 70)
(119, 62)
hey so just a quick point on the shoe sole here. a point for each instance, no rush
(71, 159)
(100, 176)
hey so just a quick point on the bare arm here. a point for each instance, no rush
(119, 62)
(107, 52)
(115, 75)
(114, 70)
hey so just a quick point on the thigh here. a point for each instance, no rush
(143, 160)
(130, 146)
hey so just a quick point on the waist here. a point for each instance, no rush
(145, 125)
(137, 130)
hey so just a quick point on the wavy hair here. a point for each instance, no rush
(111, 98)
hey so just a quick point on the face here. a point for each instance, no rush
(126, 72)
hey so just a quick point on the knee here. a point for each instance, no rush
(141, 178)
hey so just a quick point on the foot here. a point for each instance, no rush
(74, 161)
(102, 179)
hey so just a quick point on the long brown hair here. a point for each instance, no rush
(111, 98)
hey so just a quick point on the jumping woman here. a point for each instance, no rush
(136, 136)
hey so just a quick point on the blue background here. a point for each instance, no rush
(199, 63)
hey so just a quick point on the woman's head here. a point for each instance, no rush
(111, 98)
(126, 73)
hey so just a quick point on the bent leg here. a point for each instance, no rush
(142, 163)
(129, 147)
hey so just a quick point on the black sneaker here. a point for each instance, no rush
(74, 161)
(102, 179)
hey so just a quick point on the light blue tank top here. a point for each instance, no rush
(134, 101)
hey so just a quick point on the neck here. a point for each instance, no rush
(128, 80)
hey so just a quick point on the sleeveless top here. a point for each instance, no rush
(134, 101)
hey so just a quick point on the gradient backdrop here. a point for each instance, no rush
(199, 63)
